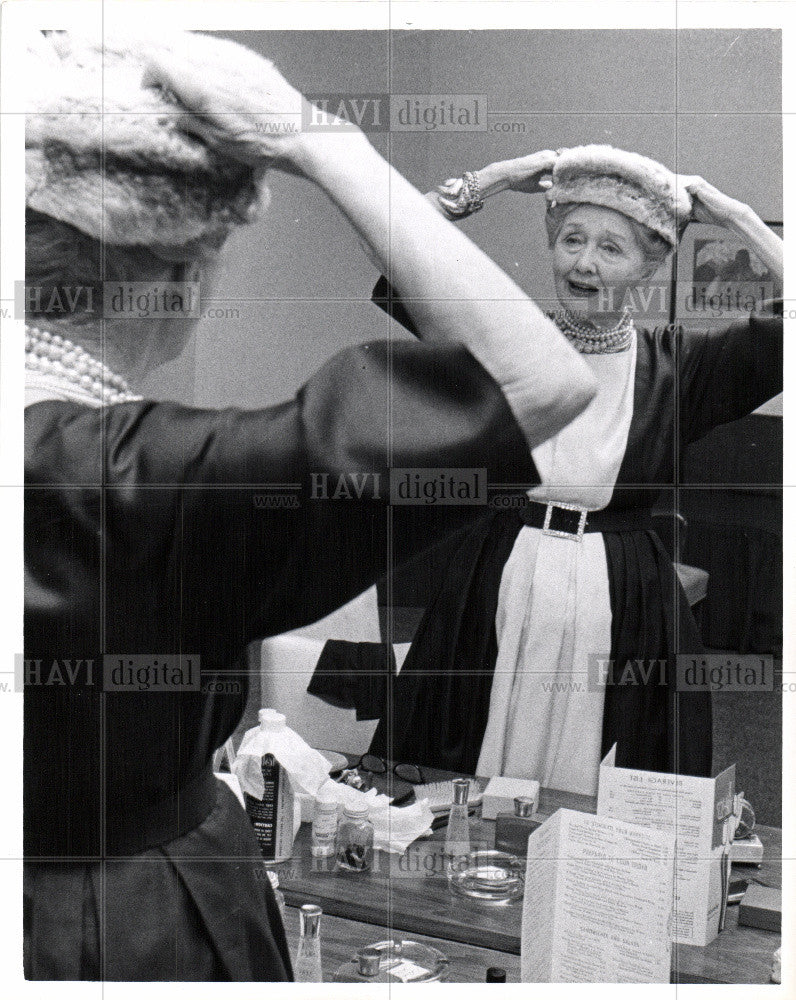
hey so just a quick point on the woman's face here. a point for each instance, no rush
(596, 260)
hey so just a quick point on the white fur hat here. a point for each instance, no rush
(634, 185)
(107, 155)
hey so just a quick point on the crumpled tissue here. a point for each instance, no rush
(306, 768)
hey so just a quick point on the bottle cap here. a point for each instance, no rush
(324, 803)
(356, 811)
(523, 806)
(495, 975)
(273, 878)
(270, 719)
(461, 791)
(369, 962)
(310, 920)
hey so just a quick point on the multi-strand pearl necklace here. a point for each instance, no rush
(590, 339)
(55, 362)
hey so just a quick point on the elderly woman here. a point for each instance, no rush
(555, 630)
(143, 543)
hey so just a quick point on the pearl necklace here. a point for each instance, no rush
(590, 339)
(55, 362)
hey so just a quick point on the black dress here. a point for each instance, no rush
(154, 529)
(685, 383)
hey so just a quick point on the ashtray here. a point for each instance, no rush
(493, 876)
(394, 962)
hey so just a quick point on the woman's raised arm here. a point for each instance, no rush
(453, 291)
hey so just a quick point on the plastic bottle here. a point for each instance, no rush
(307, 967)
(272, 816)
(324, 828)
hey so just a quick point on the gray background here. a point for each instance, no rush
(704, 102)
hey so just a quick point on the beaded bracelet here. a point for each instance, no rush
(460, 196)
(475, 201)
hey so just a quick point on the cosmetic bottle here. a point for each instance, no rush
(513, 829)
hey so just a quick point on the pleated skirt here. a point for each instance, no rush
(199, 908)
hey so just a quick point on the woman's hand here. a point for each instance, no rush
(249, 112)
(530, 174)
(711, 205)
(527, 174)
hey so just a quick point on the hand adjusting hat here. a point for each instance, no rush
(634, 185)
(107, 155)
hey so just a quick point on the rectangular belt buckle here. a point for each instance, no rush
(574, 535)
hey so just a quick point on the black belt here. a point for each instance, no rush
(570, 521)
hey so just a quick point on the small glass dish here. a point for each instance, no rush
(492, 876)
(394, 962)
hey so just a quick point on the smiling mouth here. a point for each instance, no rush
(581, 289)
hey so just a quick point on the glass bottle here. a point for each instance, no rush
(307, 967)
(457, 836)
(513, 829)
(273, 878)
(354, 844)
(324, 828)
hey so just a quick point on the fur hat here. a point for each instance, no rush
(634, 185)
(106, 154)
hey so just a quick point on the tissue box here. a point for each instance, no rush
(500, 793)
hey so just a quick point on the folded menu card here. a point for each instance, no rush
(698, 812)
(598, 902)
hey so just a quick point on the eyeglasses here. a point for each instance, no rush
(373, 764)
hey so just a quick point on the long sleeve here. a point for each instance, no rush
(727, 373)
(231, 514)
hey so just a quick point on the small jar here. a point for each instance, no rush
(324, 828)
(354, 844)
